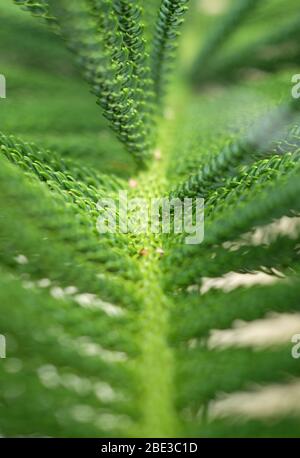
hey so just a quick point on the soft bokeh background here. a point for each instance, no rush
(49, 104)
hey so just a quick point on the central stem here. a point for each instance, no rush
(155, 364)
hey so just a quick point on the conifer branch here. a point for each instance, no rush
(221, 33)
(170, 19)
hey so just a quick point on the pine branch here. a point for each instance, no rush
(150, 10)
(39, 9)
(238, 212)
(221, 33)
(199, 365)
(129, 15)
(66, 372)
(81, 200)
(279, 200)
(252, 179)
(220, 309)
(144, 302)
(92, 34)
(283, 44)
(44, 163)
(277, 256)
(124, 104)
(261, 140)
(170, 19)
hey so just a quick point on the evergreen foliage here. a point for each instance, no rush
(111, 335)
